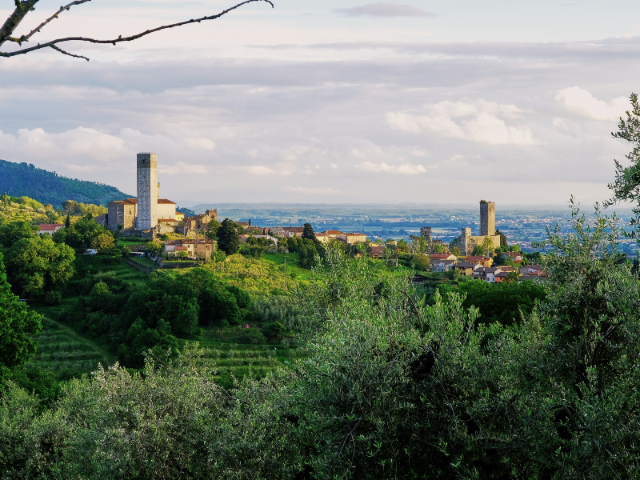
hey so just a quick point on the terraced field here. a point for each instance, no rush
(242, 359)
(65, 353)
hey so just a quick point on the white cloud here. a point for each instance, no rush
(317, 190)
(264, 170)
(182, 167)
(579, 102)
(384, 9)
(405, 169)
(334, 166)
(199, 143)
(480, 122)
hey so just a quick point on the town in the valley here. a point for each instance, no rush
(485, 256)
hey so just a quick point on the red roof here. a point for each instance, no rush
(180, 247)
(472, 258)
(50, 227)
(443, 256)
(164, 201)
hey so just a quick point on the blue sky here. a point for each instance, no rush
(326, 101)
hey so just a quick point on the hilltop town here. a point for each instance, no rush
(485, 255)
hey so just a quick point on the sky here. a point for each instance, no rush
(329, 101)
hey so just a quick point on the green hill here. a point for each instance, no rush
(22, 179)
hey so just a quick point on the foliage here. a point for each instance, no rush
(103, 243)
(504, 303)
(18, 326)
(83, 233)
(308, 233)
(49, 187)
(228, 238)
(421, 262)
(11, 232)
(78, 209)
(37, 265)
(503, 239)
(212, 230)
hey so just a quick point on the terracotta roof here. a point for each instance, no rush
(442, 256)
(472, 258)
(131, 200)
(51, 226)
(167, 220)
(164, 201)
(181, 248)
(332, 232)
(294, 229)
(354, 233)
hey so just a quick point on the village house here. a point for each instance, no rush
(442, 256)
(202, 249)
(486, 274)
(514, 256)
(49, 228)
(465, 268)
(352, 238)
(378, 251)
(291, 232)
(483, 261)
(441, 265)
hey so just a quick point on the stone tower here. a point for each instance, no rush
(487, 218)
(147, 191)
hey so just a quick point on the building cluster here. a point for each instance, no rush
(467, 242)
(481, 268)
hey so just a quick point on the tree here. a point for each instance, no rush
(67, 221)
(308, 233)
(456, 251)
(228, 238)
(24, 7)
(503, 238)
(19, 326)
(37, 265)
(103, 242)
(421, 262)
(626, 186)
(13, 231)
(212, 230)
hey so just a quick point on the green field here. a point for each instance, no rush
(225, 354)
(145, 262)
(67, 354)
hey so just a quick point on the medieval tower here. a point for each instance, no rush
(148, 191)
(487, 218)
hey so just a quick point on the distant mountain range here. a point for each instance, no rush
(23, 179)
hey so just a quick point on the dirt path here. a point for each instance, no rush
(107, 359)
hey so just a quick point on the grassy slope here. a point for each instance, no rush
(65, 353)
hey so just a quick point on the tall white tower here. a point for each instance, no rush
(147, 191)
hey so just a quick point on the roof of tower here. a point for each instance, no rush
(164, 201)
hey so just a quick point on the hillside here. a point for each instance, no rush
(22, 179)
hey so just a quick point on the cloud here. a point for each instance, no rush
(404, 169)
(580, 103)
(317, 190)
(264, 170)
(383, 9)
(199, 143)
(182, 167)
(480, 122)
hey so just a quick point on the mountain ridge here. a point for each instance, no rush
(25, 179)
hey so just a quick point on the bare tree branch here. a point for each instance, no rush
(67, 53)
(24, 38)
(120, 39)
(21, 11)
